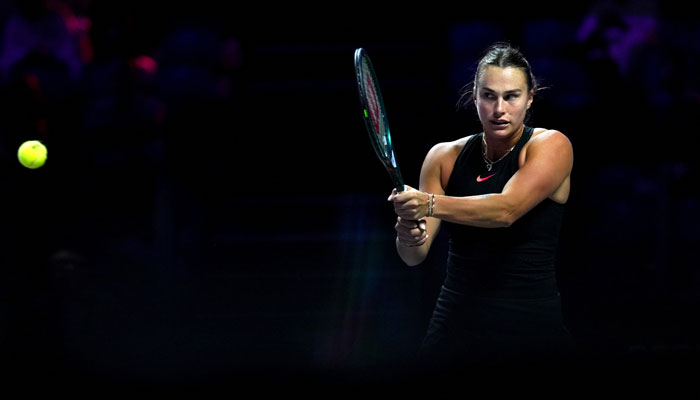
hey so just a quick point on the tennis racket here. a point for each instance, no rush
(375, 116)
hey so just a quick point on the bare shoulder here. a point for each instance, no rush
(550, 143)
(551, 136)
(448, 150)
(440, 161)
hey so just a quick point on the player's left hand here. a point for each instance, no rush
(410, 204)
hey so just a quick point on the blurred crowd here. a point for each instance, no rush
(111, 89)
(125, 98)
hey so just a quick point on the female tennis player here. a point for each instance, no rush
(501, 194)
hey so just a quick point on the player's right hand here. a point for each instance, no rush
(411, 232)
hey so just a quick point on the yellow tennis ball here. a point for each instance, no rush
(32, 154)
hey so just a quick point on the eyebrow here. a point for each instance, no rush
(512, 91)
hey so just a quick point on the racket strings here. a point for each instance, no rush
(375, 110)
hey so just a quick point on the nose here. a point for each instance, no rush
(499, 106)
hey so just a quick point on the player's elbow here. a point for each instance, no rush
(507, 216)
(415, 257)
(504, 220)
(414, 262)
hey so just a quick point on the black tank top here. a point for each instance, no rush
(513, 262)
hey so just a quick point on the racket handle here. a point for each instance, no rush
(396, 177)
(398, 184)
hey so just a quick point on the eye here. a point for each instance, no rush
(510, 97)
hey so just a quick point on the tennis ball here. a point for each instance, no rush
(32, 154)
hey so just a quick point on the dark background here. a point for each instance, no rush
(212, 209)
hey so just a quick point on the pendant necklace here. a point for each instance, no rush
(489, 163)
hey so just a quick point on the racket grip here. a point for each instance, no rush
(398, 184)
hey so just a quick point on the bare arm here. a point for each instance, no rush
(430, 182)
(548, 163)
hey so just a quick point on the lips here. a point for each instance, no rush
(499, 124)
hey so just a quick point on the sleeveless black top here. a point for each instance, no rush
(513, 262)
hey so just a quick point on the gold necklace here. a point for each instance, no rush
(489, 163)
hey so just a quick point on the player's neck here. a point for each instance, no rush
(496, 147)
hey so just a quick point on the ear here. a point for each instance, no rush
(530, 97)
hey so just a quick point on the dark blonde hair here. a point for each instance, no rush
(502, 55)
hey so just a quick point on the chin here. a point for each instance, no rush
(505, 132)
(502, 133)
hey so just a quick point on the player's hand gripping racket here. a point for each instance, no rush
(375, 116)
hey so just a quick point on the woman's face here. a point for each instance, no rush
(502, 100)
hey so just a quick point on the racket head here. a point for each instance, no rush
(374, 115)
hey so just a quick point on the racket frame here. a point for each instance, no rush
(385, 152)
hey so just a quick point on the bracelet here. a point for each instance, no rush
(431, 204)
(430, 211)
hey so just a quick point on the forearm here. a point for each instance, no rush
(412, 255)
(484, 211)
